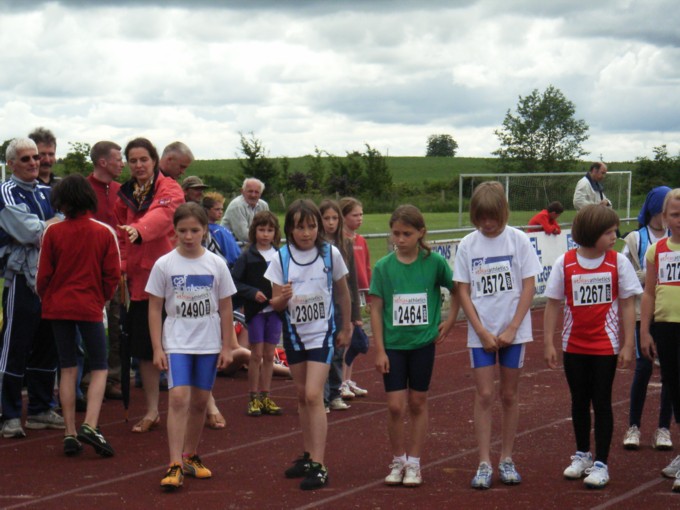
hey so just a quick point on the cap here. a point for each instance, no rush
(193, 181)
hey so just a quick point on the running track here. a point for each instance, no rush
(248, 458)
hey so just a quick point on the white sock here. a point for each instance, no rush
(414, 461)
(402, 458)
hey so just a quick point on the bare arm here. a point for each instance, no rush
(160, 359)
(647, 312)
(552, 308)
(489, 341)
(627, 306)
(454, 307)
(229, 341)
(341, 291)
(382, 363)
(526, 297)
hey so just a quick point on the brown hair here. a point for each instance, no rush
(591, 222)
(338, 239)
(190, 210)
(489, 201)
(266, 219)
(298, 212)
(410, 215)
(348, 204)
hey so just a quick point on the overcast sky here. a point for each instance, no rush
(337, 74)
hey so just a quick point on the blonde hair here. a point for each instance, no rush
(673, 194)
(489, 201)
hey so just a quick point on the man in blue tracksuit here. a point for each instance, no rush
(27, 350)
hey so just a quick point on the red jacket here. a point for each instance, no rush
(153, 221)
(107, 194)
(547, 224)
(78, 270)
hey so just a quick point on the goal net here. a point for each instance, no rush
(529, 193)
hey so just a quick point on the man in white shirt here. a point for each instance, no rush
(242, 209)
(589, 189)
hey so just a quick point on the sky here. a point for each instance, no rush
(336, 75)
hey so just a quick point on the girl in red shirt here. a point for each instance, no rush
(74, 281)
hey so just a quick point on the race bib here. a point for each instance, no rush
(193, 309)
(493, 278)
(307, 308)
(669, 267)
(409, 309)
(592, 289)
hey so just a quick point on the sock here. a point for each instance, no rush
(414, 461)
(186, 455)
(402, 458)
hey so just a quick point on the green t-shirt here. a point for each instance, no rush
(411, 297)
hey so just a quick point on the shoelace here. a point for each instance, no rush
(196, 461)
(174, 471)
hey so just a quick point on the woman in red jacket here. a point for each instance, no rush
(74, 281)
(144, 210)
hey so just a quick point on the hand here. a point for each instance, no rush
(489, 341)
(647, 346)
(132, 232)
(506, 338)
(160, 359)
(444, 328)
(260, 297)
(53, 219)
(550, 356)
(225, 358)
(382, 363)
(344, 337)
(625, 356)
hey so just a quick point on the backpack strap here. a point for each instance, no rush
(284, 258)
(328, 264)
(643, 244)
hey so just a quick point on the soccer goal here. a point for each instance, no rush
(530, 193)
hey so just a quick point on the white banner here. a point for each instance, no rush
(548, 248)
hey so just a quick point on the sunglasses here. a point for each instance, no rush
(26, 159)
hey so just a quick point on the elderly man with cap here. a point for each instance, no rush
(193, 188)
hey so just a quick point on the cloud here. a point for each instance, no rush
(336, 75)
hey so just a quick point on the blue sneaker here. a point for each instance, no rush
(508, 473)
(482, 479)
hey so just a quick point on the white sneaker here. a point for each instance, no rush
(676, 483)
(598, 476)
(337, 404)
(12, 428)
(396, 475)
(359, 392)
(631, 441)
(345, 392)
(46, 420)
(580, 462)
(672, 469)
(412, 476)
(662, 439)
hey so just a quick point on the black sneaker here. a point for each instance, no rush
(72, 446)
(95, 439)
(316, 477)
(300, 467)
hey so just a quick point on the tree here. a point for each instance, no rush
(662, 170)
(257, 164)
(543, 135)
(77, 159)
(3, 150)
(360, 172)
(441, 146)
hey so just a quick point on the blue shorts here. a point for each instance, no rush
(265, 327)
(509, 357)
(67, 339)
(322, 355)
(411, 368)
(196, 370)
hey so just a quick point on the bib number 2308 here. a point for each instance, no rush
(307, 309)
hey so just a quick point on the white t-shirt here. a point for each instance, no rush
(629, 285)
(495, 267)
(192, 289)
(311, 306)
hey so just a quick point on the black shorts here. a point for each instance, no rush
(137, 325)
(411, 368)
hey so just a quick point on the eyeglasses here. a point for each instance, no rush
(26, 159)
